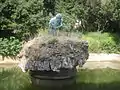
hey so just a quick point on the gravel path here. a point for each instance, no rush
(103, 61)
(94, 61)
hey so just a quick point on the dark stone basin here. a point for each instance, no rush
(53, 79)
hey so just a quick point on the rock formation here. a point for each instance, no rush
(52, 53)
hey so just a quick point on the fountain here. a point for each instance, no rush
(52, 61)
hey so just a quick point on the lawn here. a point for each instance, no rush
(102, 42)
(101, 79)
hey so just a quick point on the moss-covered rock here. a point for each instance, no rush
(53, 53)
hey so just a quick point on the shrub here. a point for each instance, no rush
(95, 15)
(23, 16)
(9, 47)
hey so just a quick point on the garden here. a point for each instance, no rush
(21, 21)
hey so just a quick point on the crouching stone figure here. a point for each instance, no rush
(55, 23)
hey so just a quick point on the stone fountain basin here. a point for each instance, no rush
(52, 61)
(64, 77)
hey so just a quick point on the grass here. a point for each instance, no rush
(100, 79)
(102, 42)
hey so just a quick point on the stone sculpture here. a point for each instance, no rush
(55, 23)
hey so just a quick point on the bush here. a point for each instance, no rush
(95, 15)
(22, 16)
(25, 17)
(9, 47)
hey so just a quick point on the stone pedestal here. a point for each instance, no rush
(65, 77)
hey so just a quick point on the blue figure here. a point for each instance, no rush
(55, 23)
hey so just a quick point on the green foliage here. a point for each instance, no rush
(102, 42)
(95, 15)
(49, 7)
(23, 16)
(9, 47)
(52, 41)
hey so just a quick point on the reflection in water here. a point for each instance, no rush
(81, 86)
(71, 87)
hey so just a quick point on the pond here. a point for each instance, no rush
(97, 79)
